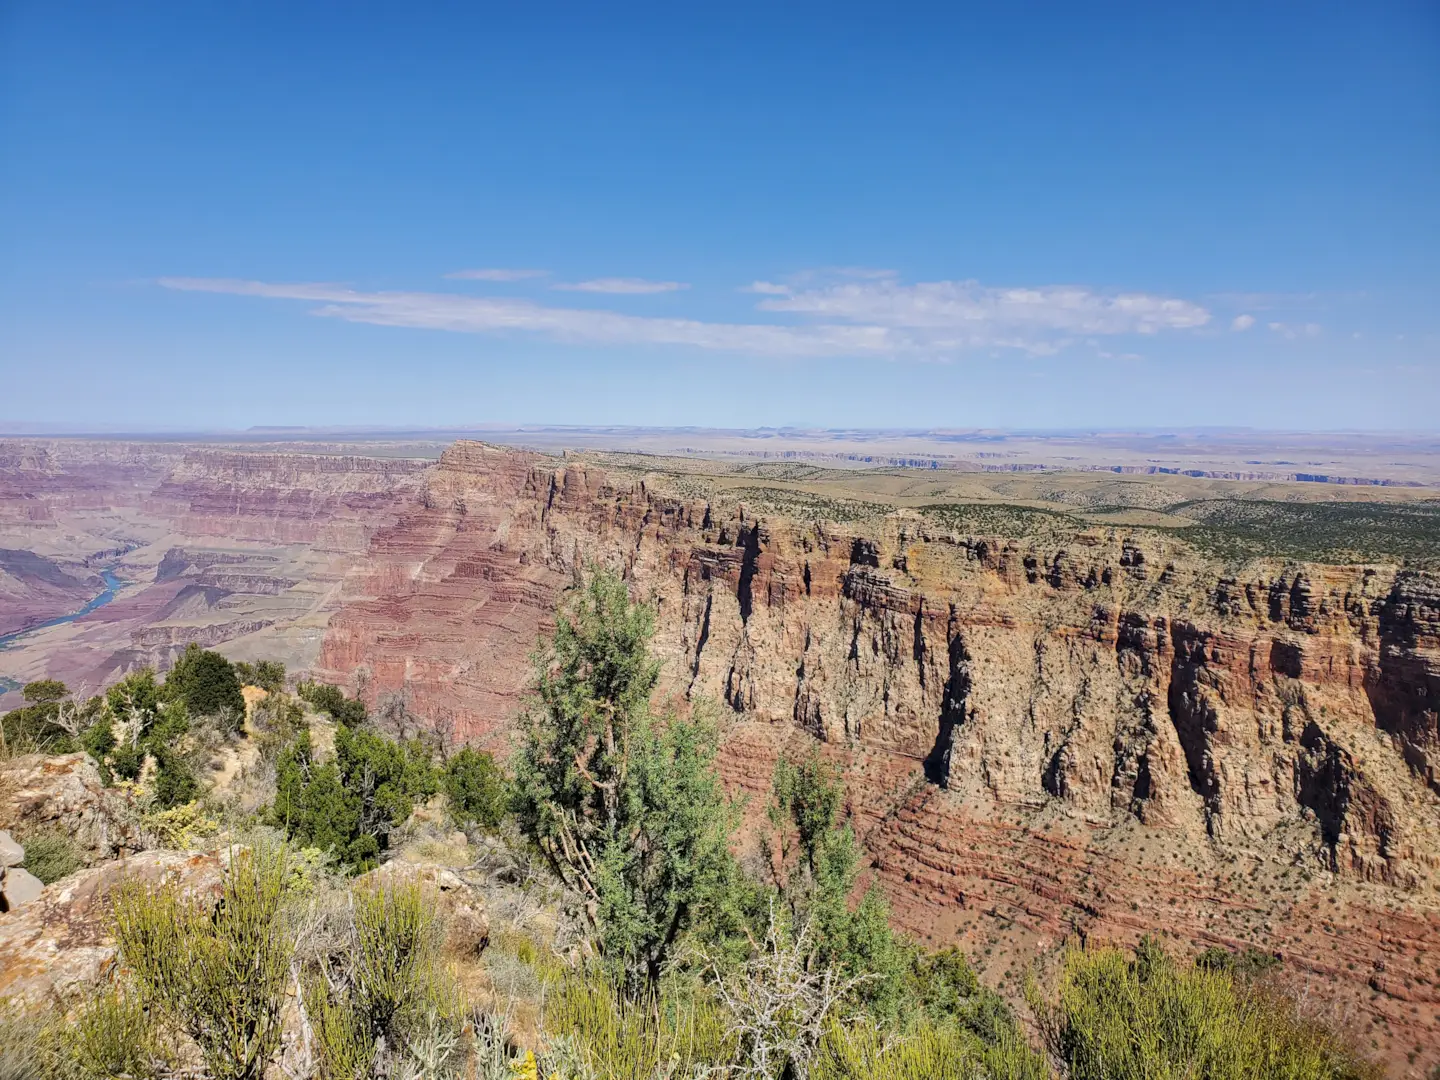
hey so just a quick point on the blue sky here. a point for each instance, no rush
(1046, 215)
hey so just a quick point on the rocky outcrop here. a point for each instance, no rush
(40, 793)
(60, 944)
(1025, 720)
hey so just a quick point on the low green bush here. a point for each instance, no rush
(679, 1031)
(1147, 1017)
(383, 986)
(114, 1035)
(927, 1051)
(217, 971)
(33, 1046)
(51, 855)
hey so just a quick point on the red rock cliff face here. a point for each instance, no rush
(1108, 735)
(329, 503)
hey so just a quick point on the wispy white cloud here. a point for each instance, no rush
(859, 316)
(970, 309)
(1291, 331)
(471, 314)
(1263, 301)
(621, 286)
(1242, 322)
(497, 274)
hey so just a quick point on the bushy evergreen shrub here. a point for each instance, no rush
(350, 805)
(332, 701)
(477, 789)
(206, 682)
(268, 675)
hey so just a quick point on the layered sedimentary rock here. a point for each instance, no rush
(43, 480)
(231, 548)
(1106, 734)
(63, 793)
(60, 944)
(327, 502)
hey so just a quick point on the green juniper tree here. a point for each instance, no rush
(206, 682)
(332, 700)
(350, 804)
(269, 675)
(817, 870)
(49, 722)
(477, 788)
(626, 807)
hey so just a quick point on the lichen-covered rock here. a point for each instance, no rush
(63, 793)
(60, 942)
(459, 906)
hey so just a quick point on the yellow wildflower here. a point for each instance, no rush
(526, 1068)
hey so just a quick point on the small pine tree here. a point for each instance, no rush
(628, 810)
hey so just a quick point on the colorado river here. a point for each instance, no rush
(112, 586)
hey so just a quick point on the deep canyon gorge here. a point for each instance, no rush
(1049, 723)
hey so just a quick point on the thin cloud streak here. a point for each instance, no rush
(1291, 331)
(466, 314)
(496, 274)
(960, 304)
(880, 318)
(621, 286)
